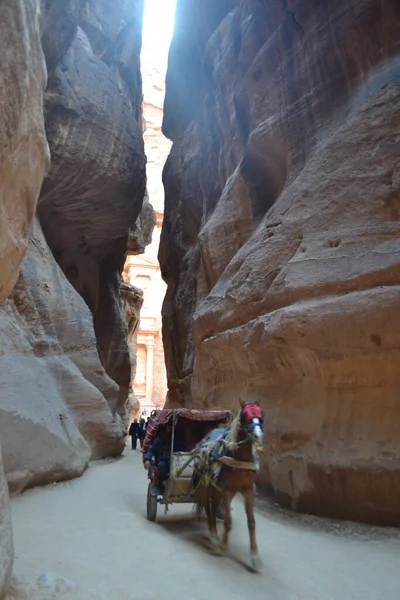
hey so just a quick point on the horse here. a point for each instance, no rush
(237, 476)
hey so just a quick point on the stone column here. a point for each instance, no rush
(149, 371)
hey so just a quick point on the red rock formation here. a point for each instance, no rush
(55, 392)
(58, 407)
(133, 301)
(140, 235)
(93, 193)
(280, 241)
(23, 147)
(23, 161)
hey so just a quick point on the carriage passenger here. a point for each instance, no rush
(215, 436)
(159, 452)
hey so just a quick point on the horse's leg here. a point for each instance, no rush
(203, 502)
(212, 521)
(198, 510)
(248, 496)
(227, 499)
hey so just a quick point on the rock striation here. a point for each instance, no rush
(70, 81)
(93, 193)
(23, 149)
(133, 302)
(280, 244)
(58, 405)
(23, 162)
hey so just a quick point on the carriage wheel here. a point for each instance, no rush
(151, 504)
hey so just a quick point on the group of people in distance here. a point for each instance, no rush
(137, 431)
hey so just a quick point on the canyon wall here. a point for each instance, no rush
(65, 362)
(23, 162)
(58, 406)
(94, 190)
(280, 244)
(70, 82)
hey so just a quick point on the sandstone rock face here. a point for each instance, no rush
(140, 235)
(94, 190)
(23, 146)
(23, 162)
(280, 244)
(157, 146)
(58, 407)
(57, 403)
(133, 301)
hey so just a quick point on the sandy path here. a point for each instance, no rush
(93, 531)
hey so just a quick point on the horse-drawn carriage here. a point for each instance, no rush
(192, 474)
(189, 427)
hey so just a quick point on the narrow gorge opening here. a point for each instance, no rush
(142, 271)
(280, 249)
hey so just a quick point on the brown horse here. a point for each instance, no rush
(237, 476)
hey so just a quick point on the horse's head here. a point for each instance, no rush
(252, 423)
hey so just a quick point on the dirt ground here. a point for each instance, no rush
(89, 539)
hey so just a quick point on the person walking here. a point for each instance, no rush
(134, 433)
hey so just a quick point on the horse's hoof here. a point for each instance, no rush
(256, 564)
(215, 547)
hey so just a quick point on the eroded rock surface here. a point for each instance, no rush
(58, 407)
(280, 244)
(94, 190)
(23, 146)
(133, 301)
(140, 235)
(57, 404)
(23, 162)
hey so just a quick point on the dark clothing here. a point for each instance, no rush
(134, 433)
(160, 449)
(163, 472)
(134, 429)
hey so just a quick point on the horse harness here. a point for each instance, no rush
(233, 463)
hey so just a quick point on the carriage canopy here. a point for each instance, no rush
(206, 419)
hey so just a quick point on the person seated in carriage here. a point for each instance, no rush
(210, 449)
(159, 453)
(214, 437)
